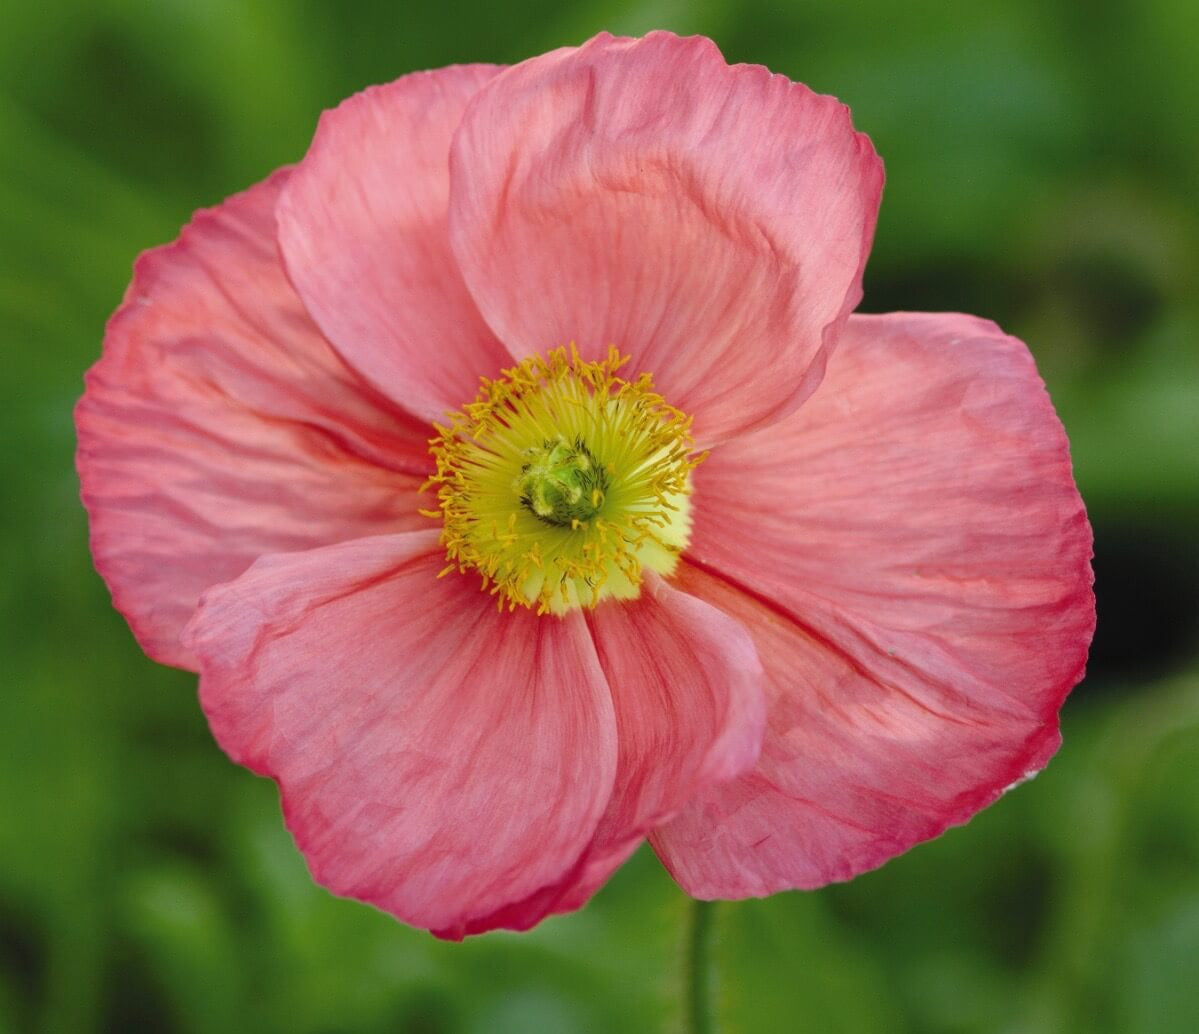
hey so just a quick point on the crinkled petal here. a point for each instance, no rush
(362, 227)
(912, 559)
(435, 757)
(710, 221)
(686, 684)
(219, 425)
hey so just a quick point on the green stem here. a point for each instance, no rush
(699, 968)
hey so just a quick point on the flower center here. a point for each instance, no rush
(562, 481)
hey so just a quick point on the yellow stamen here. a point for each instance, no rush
(562, 481)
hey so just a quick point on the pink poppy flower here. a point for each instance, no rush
(782, 589)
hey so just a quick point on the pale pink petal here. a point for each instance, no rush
(362, 226)
(436, 758)
(219, 425)
(912, 558)
(687, 688)
(711, 221)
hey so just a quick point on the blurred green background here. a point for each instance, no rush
(1042, 164)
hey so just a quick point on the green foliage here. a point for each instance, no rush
(1042, 161)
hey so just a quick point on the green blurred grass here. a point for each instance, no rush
(1041, 162)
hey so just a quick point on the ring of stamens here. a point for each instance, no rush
(562, 481)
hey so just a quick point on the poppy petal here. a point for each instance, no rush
(686, 685)
(219, 425)
(436, 758)
(911, 557)
(712, 221)
(362, 227)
